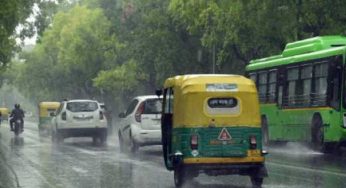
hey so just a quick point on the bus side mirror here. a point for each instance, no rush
(52, 114)
(158, 92)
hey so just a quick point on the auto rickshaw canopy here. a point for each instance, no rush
(192, 94)
(46, 107)
(4, 111)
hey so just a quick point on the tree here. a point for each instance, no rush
(11, 14)
(70, 55)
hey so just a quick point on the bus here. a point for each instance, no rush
(302, 92)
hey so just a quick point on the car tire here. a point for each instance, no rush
(133, 145)
(121, 142)
(59, 137)
(103, 138)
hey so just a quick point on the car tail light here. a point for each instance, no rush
(253, 142)
(63, 116)
(101, 115)
(139, 112)
(194, 141)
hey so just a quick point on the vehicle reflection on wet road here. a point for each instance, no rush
(33, 162)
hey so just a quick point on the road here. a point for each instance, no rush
(34, 162)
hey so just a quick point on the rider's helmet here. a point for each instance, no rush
(16, 106)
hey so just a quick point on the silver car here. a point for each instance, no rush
(140, 123)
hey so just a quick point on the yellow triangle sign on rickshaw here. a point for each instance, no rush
(224, 135)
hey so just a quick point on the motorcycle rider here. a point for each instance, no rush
(17, 113)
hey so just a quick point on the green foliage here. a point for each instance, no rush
(116, 49)
(71, 53)
(11, 14)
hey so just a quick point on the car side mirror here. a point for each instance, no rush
(121, 115)
(158, 92)
(52, 114)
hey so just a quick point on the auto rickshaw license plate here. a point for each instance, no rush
(221, 142)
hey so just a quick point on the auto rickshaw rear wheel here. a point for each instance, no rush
(256, 181)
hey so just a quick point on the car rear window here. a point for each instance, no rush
(82, 106)
(153, 106)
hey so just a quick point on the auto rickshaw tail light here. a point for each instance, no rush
(194, 141)
(101, 115)
(253, 142)
(139, 112)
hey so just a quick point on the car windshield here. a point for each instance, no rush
(81, 106)
(153, 106)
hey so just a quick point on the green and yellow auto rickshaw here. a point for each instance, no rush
(4, 113)
(211, 124)
(45, 109)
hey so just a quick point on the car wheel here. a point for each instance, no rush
(133, 145)
(56, 137)
(59, 138)
(103, 138)
(121, 142)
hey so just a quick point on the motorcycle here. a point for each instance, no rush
(17, 127)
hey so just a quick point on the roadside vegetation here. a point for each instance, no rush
(112, 50)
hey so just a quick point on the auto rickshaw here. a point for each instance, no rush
(211, 124)
(4, 113)
(45, 110)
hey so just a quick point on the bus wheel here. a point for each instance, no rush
(256, 182)
(179, 176)
(317, 133)
(264, 123)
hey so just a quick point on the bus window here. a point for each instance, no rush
(319, 95)
(262, 86)
(292, 78)
(272, 86)
(306, 77)
(335, 85)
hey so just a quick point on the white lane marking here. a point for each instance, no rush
(79, 170)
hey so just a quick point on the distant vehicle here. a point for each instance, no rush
(107, 115)
(211, 124)
(140, 123)
(45, 119)
(4, 113)
(79, 118)
(17, 127)
(302, 92)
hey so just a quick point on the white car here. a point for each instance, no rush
(79, 118)
(140, 124)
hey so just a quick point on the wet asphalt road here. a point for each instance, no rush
(34, 162)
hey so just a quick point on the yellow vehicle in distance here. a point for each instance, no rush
(4, 113)
(211, 124)
(45, 110)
